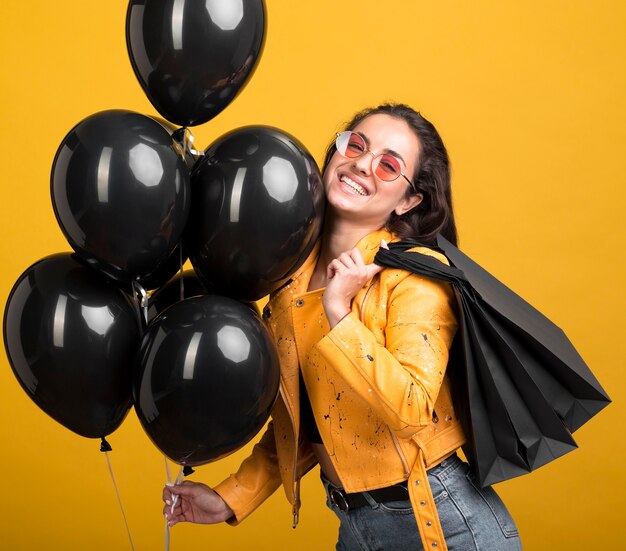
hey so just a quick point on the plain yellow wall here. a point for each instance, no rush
(530, 97)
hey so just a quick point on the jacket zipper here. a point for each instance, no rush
(363, 303)
(295, 488)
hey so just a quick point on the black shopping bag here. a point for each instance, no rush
(520, 387)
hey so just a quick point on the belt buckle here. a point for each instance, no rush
(338, 498)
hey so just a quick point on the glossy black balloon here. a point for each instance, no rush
(120, 191)
(257, 211)
(193, 57)
(71, 337)
(170, 294)
(206, 379)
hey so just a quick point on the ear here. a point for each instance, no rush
(408, 203)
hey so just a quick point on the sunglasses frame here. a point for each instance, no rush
(374, 157)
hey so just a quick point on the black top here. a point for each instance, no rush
(307, 421)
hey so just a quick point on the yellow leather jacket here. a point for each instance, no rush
(381, 398)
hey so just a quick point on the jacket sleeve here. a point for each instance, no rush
(400, 378)
(257, 478)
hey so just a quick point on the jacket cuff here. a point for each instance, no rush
(241, 499)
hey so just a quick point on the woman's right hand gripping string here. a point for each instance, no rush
(195, 502)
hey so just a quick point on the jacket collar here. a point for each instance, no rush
(370, 244)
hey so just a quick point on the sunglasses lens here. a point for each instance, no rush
(350, 144)
(386, 167)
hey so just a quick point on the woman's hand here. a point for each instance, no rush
(346, 275)
(196, 502)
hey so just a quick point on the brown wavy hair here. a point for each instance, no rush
(432, 179)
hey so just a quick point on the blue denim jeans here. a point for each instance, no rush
(472, 518)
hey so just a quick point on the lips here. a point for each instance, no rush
(358, 188)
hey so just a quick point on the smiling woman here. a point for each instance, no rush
(364, 391)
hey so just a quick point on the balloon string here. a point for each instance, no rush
(188, 139)
(143, 302)
(167, 470)
(179, 479)
(106, 450)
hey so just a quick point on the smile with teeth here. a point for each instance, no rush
(353, 185)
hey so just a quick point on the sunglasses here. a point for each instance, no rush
(385, 166)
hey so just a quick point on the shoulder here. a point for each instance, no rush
(399, 282)
(422, 249)
(399, 274)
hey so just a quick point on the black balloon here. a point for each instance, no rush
(170, 294)
(71, 337)
(193, 57)
(257, 211)
(120, 191)
(174, 292)
(207, 377)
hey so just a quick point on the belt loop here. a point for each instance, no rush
(424, 507)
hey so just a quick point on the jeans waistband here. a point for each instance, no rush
(444, 469)
(397, 492)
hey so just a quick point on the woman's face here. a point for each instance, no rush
(352, 189)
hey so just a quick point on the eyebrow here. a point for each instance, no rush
(389, 151)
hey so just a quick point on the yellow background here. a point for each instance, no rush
(530, 97)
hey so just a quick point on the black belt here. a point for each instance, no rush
(345, 501)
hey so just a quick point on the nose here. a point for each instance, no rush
(364, 163)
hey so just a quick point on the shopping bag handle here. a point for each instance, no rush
(417, 262)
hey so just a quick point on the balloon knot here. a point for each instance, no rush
(105, 446)
(179, 135)
(187, 470)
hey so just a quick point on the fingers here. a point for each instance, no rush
(172, 496)
(351, 263)
(343, 264)
(173, 519)
(185, 488)
(333, 268)
(357, 259)
(347, 262)
(173, 511)
(352, 259)
(372, 270)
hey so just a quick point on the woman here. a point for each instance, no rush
(363, 359)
